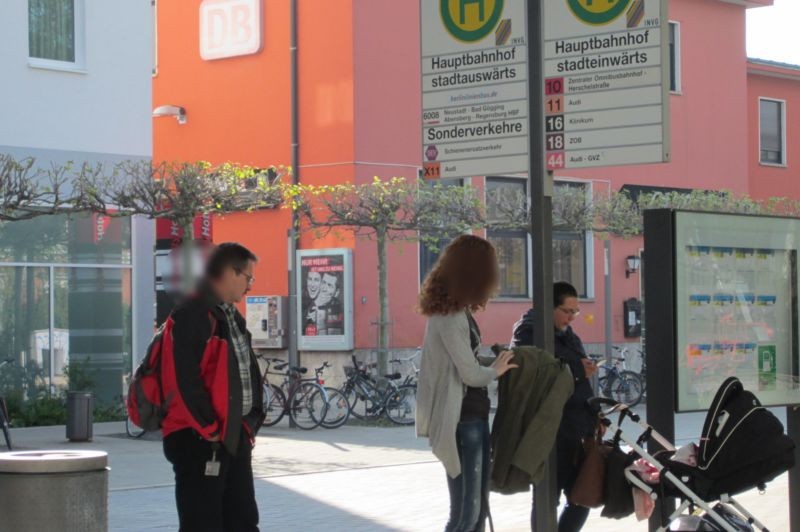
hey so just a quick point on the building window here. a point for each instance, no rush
(55, 33)
(674, 57)
(432, 248)
(771, 129)
(570, 251)
(511, 243)
(66, 302)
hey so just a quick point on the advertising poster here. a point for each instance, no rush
(325, 294)
(736, 307)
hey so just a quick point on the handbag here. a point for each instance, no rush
(618, 494)
(589, 484)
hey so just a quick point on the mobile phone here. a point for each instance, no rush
(499, 348)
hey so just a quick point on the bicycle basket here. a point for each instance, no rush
(349, 371)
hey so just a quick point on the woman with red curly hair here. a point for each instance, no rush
(452, 399)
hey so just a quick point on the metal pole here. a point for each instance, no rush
(793, 430)
(294, 356)
(607, 289)
(541, 188)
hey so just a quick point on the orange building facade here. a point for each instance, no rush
(358, 102)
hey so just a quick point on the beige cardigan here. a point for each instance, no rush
(448, 366)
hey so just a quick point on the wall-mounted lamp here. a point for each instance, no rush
(171, 110)
(634, 262)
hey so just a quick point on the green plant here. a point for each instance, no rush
(79, 376)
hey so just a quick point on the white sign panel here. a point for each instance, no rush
(606, 86)
(474, 88)
(229, 28)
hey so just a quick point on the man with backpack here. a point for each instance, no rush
(212, 398)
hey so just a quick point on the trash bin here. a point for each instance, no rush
(54, 490)
(80, 413)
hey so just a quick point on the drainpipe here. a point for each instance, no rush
(294, 356)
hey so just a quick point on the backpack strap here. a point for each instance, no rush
(213, 324)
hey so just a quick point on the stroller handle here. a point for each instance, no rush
(597, 403)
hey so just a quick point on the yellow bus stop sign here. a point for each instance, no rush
(470, 20)
(597, 12)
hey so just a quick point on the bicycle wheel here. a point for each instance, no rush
(5, 423)
(307, 407)
(338, 409)
(132, 429)
(274, 404)
(401, 405)
(362, 407)
(627, 389)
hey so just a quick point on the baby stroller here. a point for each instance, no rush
(743, 446)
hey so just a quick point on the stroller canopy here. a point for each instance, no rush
(743, 445)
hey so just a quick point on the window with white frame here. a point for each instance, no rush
(674, 57)
(433, 244)
(771, 131)
(55, 33)
(571, 250)
(511, 243)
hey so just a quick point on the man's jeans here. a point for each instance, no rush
(469, 492)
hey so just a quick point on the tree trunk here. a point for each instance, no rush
(383, 296)
(187, 256)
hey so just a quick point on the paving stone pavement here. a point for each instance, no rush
(350, 479)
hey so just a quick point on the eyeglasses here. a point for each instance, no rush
(570, 311)
(250, 278)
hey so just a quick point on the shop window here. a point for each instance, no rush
(77, 239)
(771, 130)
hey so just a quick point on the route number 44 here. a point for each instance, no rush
(555, 160)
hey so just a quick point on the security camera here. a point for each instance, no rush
(171, 110)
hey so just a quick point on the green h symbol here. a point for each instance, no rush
(481, 9)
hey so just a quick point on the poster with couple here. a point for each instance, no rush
(325, 290)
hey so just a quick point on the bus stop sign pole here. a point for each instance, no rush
(540, 182)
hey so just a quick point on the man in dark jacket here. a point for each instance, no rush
(211, 383)
(578, 420)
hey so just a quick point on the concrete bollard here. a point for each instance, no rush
(54, 490)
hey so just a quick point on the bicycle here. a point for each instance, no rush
(5, 420)
(368, 401)
(307, 402)
(338, 408)
(622, 386)
(642, 373)
(413, 376)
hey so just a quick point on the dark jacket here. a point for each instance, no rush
(531, 400)
(578, 419)
(200, 374)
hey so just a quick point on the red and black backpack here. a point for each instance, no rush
(146, 405)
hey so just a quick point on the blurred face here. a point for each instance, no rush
(565, 313)
(313, 281)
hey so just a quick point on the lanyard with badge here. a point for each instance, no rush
(213, 465)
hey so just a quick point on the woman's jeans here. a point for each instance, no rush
(469, 492)
(572, 517)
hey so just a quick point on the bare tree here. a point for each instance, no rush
(27, 191)
(180, 192)
(386, 211)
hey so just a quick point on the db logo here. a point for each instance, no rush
(229, 28)
(431, 152)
